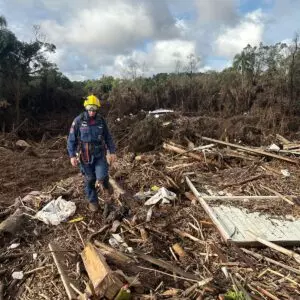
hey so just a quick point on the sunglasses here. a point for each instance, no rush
(92, 110)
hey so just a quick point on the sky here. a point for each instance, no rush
(113, 37)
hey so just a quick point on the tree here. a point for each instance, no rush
(3, 22)
(18, 62)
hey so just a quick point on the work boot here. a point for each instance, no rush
(93, 206)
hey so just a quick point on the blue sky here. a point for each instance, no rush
(105, 37)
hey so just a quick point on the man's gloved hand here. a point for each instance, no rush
(74, 161)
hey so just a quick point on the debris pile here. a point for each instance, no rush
(181, 228)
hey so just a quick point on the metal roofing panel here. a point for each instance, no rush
(237, 221)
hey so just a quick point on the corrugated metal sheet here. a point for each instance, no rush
(237, 221)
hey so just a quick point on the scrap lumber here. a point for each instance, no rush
(282, 139)
(105, 282)
(200, 148)
(284, 198)
(59, 264)
(255, 177)
(276, 247)
(187, 235)
(182, 151)
(266, 293)
(291, 146)
(245, 197)
(167, 266)
(247, 149)
(272, 261)
(209, 211)
(270, 169)
(114, 254)
(179, 250)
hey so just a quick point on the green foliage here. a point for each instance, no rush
(232, 295)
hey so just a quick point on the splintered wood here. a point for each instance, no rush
(105, 282)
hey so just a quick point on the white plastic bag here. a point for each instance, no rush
(162, 194)
(56, 211)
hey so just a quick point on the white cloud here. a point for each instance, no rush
(116, 27)
(162, 56)
(95, 37)
(232, 40)
(219, 11)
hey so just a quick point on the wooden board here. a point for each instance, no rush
(104, 281)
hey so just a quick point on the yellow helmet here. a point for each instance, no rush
(92, 100)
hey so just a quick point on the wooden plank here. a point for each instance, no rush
(60, 267)
(209, 211)
(238, 198)
(104, 281)
(260, 152)
(276, 247)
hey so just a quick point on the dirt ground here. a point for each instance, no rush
(35, 168)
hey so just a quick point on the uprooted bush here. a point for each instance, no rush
(149, 133)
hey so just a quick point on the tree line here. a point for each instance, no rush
(263, 80)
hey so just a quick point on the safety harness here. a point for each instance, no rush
(87, 155)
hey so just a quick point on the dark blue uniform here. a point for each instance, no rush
(91, 137)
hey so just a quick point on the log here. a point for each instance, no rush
(209, 211)
(105, 282)
(13, 223)
(58, 259)
(260, 152)
(276, 247)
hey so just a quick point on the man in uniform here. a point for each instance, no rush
(90, 136)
